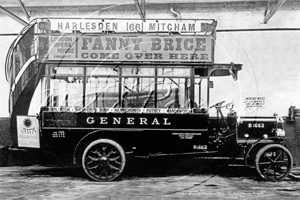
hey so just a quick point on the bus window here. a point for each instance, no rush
(102, 86)
(201, 93)
(138, 92)
(138, 85)
(66, 86)
(173, 92)
(173, 87)
(101, 91)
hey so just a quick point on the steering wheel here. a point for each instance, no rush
(219, 104)
(229, 106)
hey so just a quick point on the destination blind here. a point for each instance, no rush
(131, 25)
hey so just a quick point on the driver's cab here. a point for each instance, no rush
(217, 91)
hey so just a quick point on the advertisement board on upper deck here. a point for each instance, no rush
(127, 40)
(130, 48)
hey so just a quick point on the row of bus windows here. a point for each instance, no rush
(104, 92)
(136, 88)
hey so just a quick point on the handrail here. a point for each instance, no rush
(7, 59)
(20, 73)
(8, 65)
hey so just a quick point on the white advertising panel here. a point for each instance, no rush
(196, 48)
(62, 47)
(131, 25)
(28, 131)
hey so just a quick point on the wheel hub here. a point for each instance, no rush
(104, 159)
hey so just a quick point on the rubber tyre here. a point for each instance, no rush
(103, 160)
(273, 162)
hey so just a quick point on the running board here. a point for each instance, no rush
(174, 154)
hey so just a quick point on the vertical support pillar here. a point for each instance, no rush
(141, 9)
(24, 10)
(273, 10)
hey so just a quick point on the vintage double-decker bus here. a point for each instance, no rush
(113, 88)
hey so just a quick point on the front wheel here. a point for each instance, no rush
(273, 162)
(103, 160)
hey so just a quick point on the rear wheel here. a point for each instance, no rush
(103, 160)
(273, 162)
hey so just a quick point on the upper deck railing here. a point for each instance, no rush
(18, 65)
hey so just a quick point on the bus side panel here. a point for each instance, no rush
(125, 120)
(141, 133)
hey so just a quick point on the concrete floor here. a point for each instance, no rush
(147, 179)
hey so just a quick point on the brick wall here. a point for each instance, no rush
(292, 130)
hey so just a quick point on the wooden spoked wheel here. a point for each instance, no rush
(273, 162)
(103, 160)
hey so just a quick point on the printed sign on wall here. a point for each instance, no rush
(28, 131)
(252, 103)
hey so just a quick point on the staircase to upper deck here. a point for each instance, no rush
(21, 71)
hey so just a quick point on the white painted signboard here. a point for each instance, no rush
(114, 47)
(132, 25)
(28, 131)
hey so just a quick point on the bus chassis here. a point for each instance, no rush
(103, 152)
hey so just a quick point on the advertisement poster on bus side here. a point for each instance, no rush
(28, 131)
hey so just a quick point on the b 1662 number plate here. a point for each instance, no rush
(256, 125)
